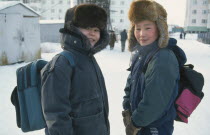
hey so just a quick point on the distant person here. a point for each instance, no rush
(185, 34)
(150, 92)
(123, 39)
(180, 36)
(74, 98)
(112, 39)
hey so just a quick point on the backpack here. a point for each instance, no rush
(190, 88)
(26, 96)
(190, 92)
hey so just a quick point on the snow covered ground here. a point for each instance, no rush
(114, 64)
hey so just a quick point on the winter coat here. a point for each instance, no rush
(123, 35)
(74, 98)
(150, 96)
(112, 39)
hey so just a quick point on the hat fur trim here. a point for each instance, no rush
(141, 10)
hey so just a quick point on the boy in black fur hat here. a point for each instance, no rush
(74, 99)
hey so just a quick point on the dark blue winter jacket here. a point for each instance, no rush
(150, 96)
(74, 98)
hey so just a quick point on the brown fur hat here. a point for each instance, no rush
(148, 10)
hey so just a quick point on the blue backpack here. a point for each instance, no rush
(26, 96)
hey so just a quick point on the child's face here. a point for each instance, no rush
(93, 34)
(146, 32)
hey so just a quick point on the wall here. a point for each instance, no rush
(50, 32)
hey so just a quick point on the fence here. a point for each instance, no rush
(50, 32)
(204, 37)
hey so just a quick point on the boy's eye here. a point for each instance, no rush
(96, 30)
(148, 28)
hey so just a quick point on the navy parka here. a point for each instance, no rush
(150, 96)
(74, 99)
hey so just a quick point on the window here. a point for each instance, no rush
(60, 10)
(194, 2)
(25, 1)
(205, 2)
(121, 20)
(204, 21)
(112, 20)
(193, 20)
(60, 2)
(121, 12)
(52, 10)
(52, 2)
(122, 3)
(51, 18)
(194, 11)
(204, 12)
(113, 3)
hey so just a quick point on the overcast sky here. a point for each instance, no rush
(176, 10)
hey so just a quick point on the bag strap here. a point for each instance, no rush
(148, 60)
(69, 56)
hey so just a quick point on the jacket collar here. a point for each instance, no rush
(74, 39)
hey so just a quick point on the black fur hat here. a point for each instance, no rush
(86, 15)
(90, 15)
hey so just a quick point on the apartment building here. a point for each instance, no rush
(55, 10)
(197, 19)
(49, 9)
(119, 14)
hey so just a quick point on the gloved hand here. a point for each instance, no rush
(131, 129)
(126, 117)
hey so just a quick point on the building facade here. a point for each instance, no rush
(56, 9)
(197, 19)
(49, 9)
(119, 14)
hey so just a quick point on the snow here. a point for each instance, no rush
(114, 64)
(50, 21)
(6, 4)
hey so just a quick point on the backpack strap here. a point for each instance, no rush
(69, 56)
(148, 60)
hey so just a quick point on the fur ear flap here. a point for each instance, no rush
(141, 10)
(132, 42)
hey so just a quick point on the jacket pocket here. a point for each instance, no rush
(90, 125)
(92, 105)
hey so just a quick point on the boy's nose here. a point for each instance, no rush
(91, 32)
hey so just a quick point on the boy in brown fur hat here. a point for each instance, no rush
(74, 98)
(152, 85)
